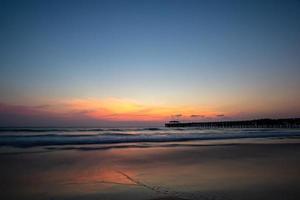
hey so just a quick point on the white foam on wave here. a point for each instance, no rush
(112, 136)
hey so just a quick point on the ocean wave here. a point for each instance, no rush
(127, 137)
(152, 129)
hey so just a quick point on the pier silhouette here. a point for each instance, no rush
(256, 123)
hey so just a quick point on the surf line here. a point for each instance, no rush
(160, 190)
(156, 189)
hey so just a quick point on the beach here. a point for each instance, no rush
(249, 169)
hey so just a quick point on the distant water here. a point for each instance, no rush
(29, 137)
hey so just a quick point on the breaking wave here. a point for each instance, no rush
(74, 136)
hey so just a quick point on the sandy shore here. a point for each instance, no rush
(189, 171)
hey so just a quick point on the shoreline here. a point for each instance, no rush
(15, 150)
(262, 169)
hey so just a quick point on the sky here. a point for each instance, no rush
(127, 63)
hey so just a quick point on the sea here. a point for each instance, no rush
(153, 163)
(33, 137)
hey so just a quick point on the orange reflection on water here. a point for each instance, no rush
(152, 171)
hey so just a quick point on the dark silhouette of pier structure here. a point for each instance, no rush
(257, 123)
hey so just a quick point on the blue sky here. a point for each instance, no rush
(222, 55)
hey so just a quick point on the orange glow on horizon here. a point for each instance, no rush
(131, 110)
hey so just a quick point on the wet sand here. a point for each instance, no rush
(249, 171)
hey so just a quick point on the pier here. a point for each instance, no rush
(257, 123)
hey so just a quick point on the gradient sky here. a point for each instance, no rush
(90, 63)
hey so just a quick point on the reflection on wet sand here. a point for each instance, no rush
(249, 171)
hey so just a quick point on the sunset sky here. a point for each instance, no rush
(127, 63)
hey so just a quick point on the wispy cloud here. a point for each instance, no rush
(197, 116)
